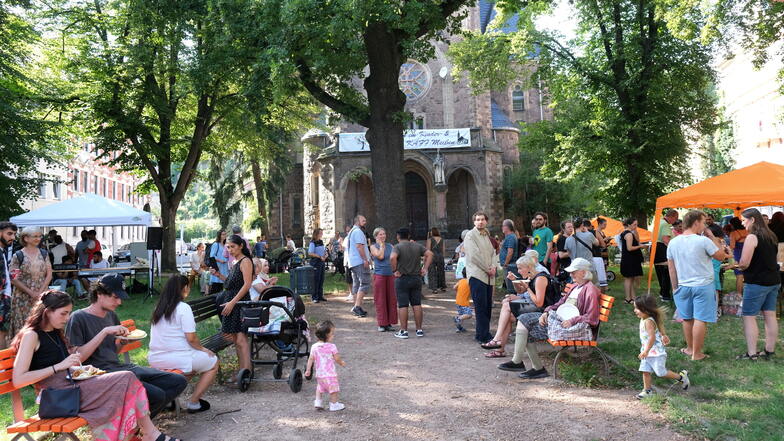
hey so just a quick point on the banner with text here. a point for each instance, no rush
(412, 140)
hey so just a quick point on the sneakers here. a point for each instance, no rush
(420, 333)
(387, 328)
(512, 366)
(532, 374)
(684, 379)
(350, 298)
(358, 311)
(401, 334)
(334, 407)
(645, 394)
(460, 329)
(318, 405)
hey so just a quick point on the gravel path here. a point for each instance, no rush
(439, 387)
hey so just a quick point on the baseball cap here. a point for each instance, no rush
(579, 264)
(115, 284)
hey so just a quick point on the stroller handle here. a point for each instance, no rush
(257, 303)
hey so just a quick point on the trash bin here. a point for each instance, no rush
(303, 280)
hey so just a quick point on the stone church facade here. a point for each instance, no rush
(336, 185)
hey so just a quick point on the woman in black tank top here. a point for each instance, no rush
(762, 282)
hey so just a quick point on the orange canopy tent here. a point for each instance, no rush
(615, 226)
(758, 184)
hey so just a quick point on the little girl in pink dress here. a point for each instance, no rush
(324, 355)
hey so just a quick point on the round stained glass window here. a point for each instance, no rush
(414, 79)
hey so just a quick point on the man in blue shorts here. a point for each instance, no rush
(691, 272)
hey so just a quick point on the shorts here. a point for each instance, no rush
(696, 302)
(465, 310)
(409, 291)
(327, 385)
(657, 365)
(5, 312)
(360, 279)
(758, 298)
(202, 362)
(348, 277)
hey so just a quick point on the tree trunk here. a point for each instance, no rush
(258, 183)
(168, 253)
(385, 125)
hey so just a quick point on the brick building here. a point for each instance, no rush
(336, 183)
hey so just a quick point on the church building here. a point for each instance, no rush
(458, 148)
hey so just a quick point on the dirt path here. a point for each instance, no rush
(439, 387)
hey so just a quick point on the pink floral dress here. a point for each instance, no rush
(324, 363)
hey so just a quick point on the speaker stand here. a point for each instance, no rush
(152, 276)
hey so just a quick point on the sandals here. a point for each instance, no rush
(492, 344)
(765, 354)
(747, 356)
(495, 354)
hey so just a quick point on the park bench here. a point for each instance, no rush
(22, 427)
(605, 306)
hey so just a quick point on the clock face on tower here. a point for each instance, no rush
(414, 79)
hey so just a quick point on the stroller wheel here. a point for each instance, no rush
(277, 371)
(295, 380)
(610, 276)
(243, 380)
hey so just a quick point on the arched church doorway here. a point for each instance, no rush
(359, 199)
(460, 201)
(416, 205)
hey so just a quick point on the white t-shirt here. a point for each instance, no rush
(58, 252)
(259, 280)
(169, 348)
(196, 261)
(103, 264)
(291, 245)
(691, 254)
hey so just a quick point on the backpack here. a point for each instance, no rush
(553, 294)
(20, 255)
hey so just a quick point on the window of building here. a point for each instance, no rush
(414, 79)
(56, 190)
(122, 192)
(314, 191)
(95, 184)
(85, 182)
(114, 190)
(518, 99)
(417, 123)
(104, 188)
(76, 180)
(296, 211)
(42, 190)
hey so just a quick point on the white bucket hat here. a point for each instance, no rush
(579, 264)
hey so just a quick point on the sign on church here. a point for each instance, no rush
(412, 140)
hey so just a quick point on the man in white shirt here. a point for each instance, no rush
(359, 262)
(691, 272)
(98, 263)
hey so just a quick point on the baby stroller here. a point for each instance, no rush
(274, 321)
(279, 259)
(298, 258)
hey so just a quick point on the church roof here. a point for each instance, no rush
(487, 13)
(499, 117)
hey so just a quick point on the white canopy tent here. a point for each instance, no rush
(87, 210)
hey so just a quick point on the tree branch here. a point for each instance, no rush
(448, 7)
(563, 53)
(361, 116)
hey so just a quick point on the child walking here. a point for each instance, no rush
(653, 356)
(462, 300)
(324, 355)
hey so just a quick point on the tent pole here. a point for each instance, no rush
(651, 267)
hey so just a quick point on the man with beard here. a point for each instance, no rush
(542, 237)
(7, 236)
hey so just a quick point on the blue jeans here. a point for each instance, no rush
(318, 290)
(482, 295)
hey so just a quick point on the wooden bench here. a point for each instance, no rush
(605, 306)
(204, 309)
(64, 428)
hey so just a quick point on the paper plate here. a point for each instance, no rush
(137, 334)
(567, 312)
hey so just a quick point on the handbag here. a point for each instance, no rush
(522, 306)
(60, 403)
(254, 317)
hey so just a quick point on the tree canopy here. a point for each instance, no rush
(628, 94)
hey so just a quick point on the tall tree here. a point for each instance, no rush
(326, 46)
(632, 92)
(155, 80)
(27, 137)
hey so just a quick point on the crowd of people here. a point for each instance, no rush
(553, 285)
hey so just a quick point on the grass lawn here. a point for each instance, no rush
(729, 400)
